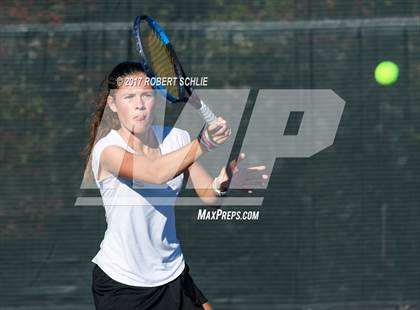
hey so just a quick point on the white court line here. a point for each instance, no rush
(181, 201)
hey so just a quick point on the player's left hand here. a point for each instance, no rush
(244, 178)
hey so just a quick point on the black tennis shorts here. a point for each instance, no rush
(179, 294)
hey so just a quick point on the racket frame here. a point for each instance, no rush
(179, 71)
(186, 93)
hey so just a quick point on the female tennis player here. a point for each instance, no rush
(140, 264)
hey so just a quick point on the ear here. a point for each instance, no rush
(111, 103)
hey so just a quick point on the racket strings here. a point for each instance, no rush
(160, 60)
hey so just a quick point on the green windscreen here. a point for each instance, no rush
(337, 230)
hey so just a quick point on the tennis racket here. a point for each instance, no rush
(159, 60)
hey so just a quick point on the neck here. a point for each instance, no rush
(140, 142)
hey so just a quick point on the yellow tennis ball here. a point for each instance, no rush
(386, 73)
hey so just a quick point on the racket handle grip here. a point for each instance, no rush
(205, 112)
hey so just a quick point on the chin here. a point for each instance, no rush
(140, 128)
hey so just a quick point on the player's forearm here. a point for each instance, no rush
(207, 194)
(172, 164)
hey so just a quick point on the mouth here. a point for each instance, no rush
(140, 118)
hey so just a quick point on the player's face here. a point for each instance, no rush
(134, 103)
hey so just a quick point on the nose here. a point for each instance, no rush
(140, 105)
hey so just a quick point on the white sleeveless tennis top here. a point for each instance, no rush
(140, 246)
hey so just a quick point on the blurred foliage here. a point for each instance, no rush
(59, 11)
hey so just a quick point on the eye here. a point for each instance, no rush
(147, 95)
(128, 96)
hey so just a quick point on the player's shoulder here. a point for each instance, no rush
(175, 134)
(111, 138)
(180, 132)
